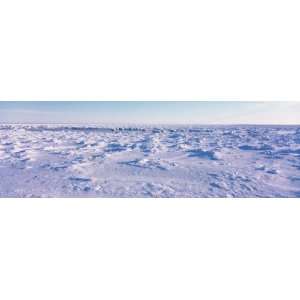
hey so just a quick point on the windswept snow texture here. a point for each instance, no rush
(195, 161)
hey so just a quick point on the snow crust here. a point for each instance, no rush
(143, 161)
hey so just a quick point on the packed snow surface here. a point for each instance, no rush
(162, 161)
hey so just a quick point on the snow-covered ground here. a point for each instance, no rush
(162, 161)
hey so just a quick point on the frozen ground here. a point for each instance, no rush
(196, 161)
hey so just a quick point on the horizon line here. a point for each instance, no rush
(148, 124)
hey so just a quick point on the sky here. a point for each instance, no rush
(150, 112)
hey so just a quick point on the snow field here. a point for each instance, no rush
(144, 161)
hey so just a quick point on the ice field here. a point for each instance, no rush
(144, 161)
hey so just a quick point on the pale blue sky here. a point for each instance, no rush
(166, 112)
